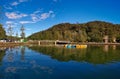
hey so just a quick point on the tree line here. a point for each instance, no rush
(8, 34)
(93, 31)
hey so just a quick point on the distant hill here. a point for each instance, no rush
(93, 31)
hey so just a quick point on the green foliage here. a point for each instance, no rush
(2, 32)
(93, 54)
(91, 32)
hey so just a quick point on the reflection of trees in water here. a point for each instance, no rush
(17, 49)
(22, 53)
(10, 54)
(2, 54)
(93, 54)
(107, 47)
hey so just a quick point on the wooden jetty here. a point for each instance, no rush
(55, 42)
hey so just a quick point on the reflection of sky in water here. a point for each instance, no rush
(33, 66)
(10, 69)
(23, 63)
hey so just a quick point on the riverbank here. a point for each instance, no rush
(9, 44)
(2, 44)
(92, 43)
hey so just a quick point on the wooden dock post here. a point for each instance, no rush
(55, 43)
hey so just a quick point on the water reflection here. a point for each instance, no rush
(58, 62)
(10, 69)
(22, 53)
(114, 47)
(2, 54)
(106, 48)
(93, 54)
(20, 60)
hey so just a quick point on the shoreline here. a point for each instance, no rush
(100, 43)
(9, 44)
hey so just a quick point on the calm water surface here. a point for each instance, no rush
(38, 62)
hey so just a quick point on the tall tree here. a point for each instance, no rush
(2, 32)
(22, 32)
(10, 30)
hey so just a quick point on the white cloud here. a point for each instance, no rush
(46, 15)
(9, 22)
(38, 16)
(35, 18)
(14, 15)
(14, 3)
(38, 11)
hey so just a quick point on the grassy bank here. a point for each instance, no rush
(7, 44)
(11, 44)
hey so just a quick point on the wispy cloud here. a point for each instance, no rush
(15, 3)
(8, 7)
(46, 15)
(26, 22)
(41, 16)
(37, 11)
(23, 0)
(9, 22)
(18, 2)
(14, 15)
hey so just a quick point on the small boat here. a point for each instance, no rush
(81, 46)
(70, 46)
(75, 46)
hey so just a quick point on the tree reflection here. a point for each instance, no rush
(22, 53)
(2, 54)
(10, 54)
(106, 48)
(93, 54)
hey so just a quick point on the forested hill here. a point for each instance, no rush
(93, 31)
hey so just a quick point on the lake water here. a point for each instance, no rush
(48, 62)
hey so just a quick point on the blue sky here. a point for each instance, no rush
(38, 15)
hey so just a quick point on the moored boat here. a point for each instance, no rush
(75, 46)
(81, 46)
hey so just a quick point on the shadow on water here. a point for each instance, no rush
(93, 54)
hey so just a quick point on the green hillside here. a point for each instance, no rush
(93, 31)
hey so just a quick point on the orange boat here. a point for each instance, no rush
(75, 46)
(81, 46)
